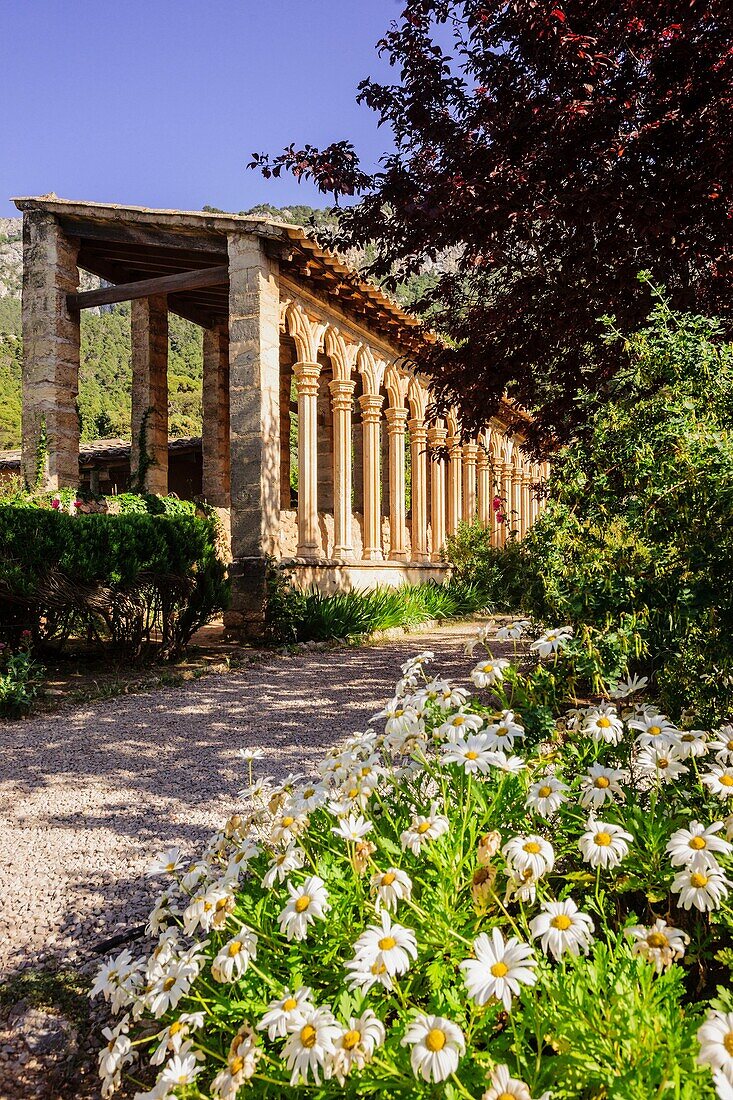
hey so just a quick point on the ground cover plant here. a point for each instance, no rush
(484, 894)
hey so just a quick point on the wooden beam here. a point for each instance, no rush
(144, 288)
(148, 237)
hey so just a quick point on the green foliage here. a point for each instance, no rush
(638, 521)
(498, 570)
(310, 616)
(143, 581)
(20, 681)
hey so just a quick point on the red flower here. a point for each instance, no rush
(55, 503)
(496, 504)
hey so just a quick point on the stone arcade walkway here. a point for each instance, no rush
(88, 796)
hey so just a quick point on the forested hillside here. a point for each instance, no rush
(104, 382)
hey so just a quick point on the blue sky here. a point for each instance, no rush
(160, 102)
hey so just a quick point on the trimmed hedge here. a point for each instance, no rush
(140, 581)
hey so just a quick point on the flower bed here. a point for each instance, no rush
(470, 901)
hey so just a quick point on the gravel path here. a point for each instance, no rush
(86, 797)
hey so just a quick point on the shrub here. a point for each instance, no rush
(21, 678)
(500, 572)
(146, 582)
(463, 901)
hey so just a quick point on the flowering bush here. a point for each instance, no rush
(465, 903)
(21, 678)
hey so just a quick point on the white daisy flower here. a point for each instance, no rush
(472, 753)
(239, 860)
(450, 697)
(117, 979)
(459, 725)
(723, 1084)
(722, 745)
(308, 799)
(283, 1015)
(244, 1054)
(529, 853)
(715, 1037)
(513, 631)
(652, 726)
(390, 886)
(307, 903)
(233, 957)
(600, 785)
(169, 985)
(660, 944)
(502, 1086)
(719, 781)
(169, 862)
(391, 945)
(281, 864)
(695, 847)
(172, 1038)
(114, 1056)
(287, 827)
(629, 685)
(499, 968)
(546, 796)
(182, 1069)
(309, 1047)
(502, 734)
(423, 829)
(603, 844)
(603, 725)
(562, 927)
(661, 760)
(251, 754)
(437, 1047)
(354, 828)
(692, 743)
(489, 672)
(356, 1044)
(481, 637)
(552, 641)
(512, 764)
(362, 975)
(209, 909)
(704, 890)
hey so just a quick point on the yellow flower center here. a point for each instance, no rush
(309, 792)
(698, 880)
(602, 839)
(655, 730)
(688, 738)
(663, 762)
(729, 745)
(378, 968)
(459, 720)
(423, 827)
(507, 1096)
(353, 792)
(471, 755)
(561, 922)
(532, 847)
(602, 782)
(387, 943)
(222, 903)
(236, 1066)
(234, 948)
(351, 1039)
(388, 879)
(728, 1043)
(726, 780)
(287, 822)
(502, 731)
(657, 939)
(435, 1039)
(603, 723)
(698, 843)
(289, 1004)
(168, 984)
(175, 1028)
(170, 867)
(302, 903)
(308, 1036)
(499, 969)
(544, 792)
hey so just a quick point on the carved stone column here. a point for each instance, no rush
(455, 464)
(485, 494)
(149, 340)
(516, 498)
(470, 460)
(215, 422)
(50, 356)
(504, 486)
(306, 379)
(436, 441)
(342, 397)
(419, 489)
(396, 425)
(371, 415)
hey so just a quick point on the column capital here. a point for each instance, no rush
(396, 420)
(418, 429)
(437, 437)
(306, 376)
(371, 407)
(342, 393)
(470, 452)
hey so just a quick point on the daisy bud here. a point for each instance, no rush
(362, 853)
(482, 885)
(488, 846)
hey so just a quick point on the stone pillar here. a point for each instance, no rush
(419, 487)
(470, 460)
(396, 424)
(485, 489)
(503, 470)
(149, 338)
(436, 441)
(516, 499)
(50, 356)
(306, 379)
(526, 502)
(254, 393)
(342, 397)
(286, 379)
(324, 443)
(215, 423)
(455, 463)
(371, 414)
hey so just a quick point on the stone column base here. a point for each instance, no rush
(245, 617)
